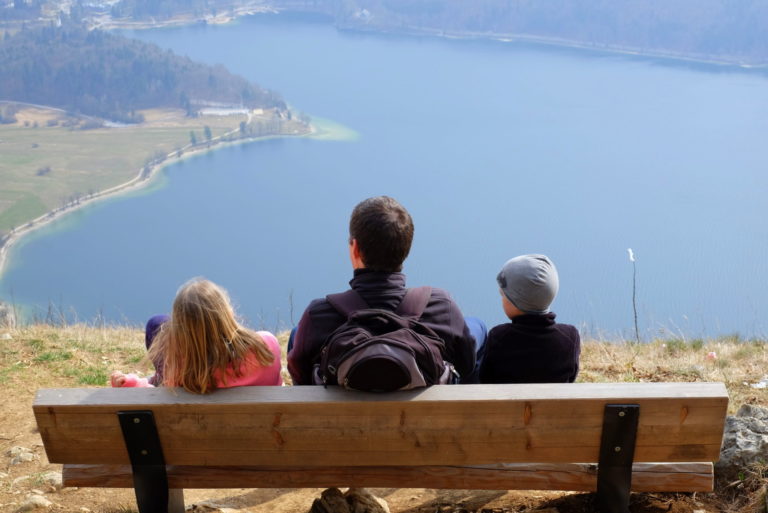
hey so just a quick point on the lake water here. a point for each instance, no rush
(496, 149)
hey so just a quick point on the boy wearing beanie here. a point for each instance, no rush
(533, 348)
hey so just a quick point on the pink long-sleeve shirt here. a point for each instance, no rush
(252, 373)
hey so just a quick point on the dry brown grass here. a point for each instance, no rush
(748, 493)
(81, 355)
(738, 363)
(73, 356)
(69, 356)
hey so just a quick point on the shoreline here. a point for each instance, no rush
(257, 8)
(224, 18)
(555, 42)
(145, 177)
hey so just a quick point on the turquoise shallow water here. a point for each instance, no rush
(496, 149)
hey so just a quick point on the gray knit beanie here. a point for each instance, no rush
(530, 282)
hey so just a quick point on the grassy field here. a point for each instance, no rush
(78, 355)
(43, 167)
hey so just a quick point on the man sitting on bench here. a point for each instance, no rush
(380, 235)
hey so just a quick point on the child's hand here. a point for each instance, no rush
(117, 379)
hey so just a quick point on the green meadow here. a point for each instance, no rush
(44, 168)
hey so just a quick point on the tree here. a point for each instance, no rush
(192, 138)
(207, 132)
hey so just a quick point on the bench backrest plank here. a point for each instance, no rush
(441, 425)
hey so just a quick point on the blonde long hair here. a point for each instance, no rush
(203, 340)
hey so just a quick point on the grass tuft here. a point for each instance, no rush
(91, 375)
(675, 346)
(35, 344)
(749, 493)
(53, 356)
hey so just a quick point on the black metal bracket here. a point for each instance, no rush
(150, 480)
(617, 452)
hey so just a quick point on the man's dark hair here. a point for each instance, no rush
(383, 229)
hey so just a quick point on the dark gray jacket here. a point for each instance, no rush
(380, 290)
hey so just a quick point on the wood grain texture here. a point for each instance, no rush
(646, 477)
(442, 425)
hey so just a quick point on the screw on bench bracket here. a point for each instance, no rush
(150, 480)
(617, 451)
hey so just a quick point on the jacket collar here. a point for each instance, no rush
(368, 279)
(547, 319)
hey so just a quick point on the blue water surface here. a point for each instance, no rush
(496, 149)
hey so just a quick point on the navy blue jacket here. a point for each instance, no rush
(532, 348)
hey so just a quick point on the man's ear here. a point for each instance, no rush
(355, 256)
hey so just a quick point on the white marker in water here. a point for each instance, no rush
(631, 255)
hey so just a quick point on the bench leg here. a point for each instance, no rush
(150, 483)
(176, 500)
(150, 479)
(617, 451)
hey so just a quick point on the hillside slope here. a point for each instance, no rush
(110, 76)
(712, 30)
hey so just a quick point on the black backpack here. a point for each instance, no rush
(378, 350)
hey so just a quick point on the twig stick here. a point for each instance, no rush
(634, 298)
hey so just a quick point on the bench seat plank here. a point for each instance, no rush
(646, 477)
(442, 425)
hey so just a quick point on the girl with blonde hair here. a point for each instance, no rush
(202, 347)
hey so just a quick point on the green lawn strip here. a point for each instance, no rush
(18, 207)
(44, 167)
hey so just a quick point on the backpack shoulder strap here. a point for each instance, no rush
(415, 302)
(347, 303)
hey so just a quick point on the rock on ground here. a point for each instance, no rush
(52, 480)
(34, 502)
(210, 507)
(355, 500)
(20, 454)
(361, 501)
(745, 442)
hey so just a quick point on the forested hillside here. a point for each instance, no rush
(723, 30)
(110, 76)
(718, 30)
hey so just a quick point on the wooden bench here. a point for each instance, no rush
(611, 437)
